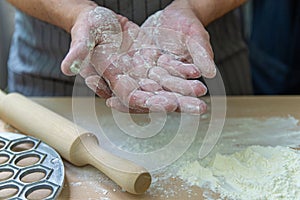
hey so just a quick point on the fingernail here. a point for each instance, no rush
(75, 67)
(92, 83)
(109, 102)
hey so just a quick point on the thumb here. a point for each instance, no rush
(92, 27)
(199, 47)
(81, 47)
(78, 56)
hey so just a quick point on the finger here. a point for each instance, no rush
(76, 58)
(149, 85)
(147, 101)
(121, 84)
(191, 105)
(176, 84)
(115, 103)
(200, 51)
(162, 102)
(88, 70)
(128, 92)
(143, 102)
(80, 49)
(123, 87)
(197, 32)
(99, 86)
(192, 88)
(138, 100)
(170, 98)
(178, 68)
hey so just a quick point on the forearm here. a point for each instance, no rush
(209, 10)
(61, 13)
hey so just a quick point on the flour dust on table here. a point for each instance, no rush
(252, 160)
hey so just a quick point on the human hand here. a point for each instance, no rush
(171, 47)
(177, 31)
(94, 27)
(96, 43)
(97, 36)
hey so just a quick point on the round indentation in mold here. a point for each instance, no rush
(33, 175)
(21, 146)
(27, 160)
(6, 174)
(2, 144)
(31, 163)
(4, 158)
(39, 192)
(8, 191)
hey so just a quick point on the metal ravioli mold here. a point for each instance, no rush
(29, 168)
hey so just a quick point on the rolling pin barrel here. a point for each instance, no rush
(35, 120)
(74, 143)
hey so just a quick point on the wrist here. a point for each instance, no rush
(195, 7)
(72, 17)
(204, 10)
(208, 10)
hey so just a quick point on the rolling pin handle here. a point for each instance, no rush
(131, 177)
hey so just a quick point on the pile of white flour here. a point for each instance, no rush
(252, 160)
(254, 173)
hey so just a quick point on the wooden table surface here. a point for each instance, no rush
(88, 183)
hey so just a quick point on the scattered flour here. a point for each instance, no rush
(259, 164)
(243, 140)
(254, 173)
(76, 183)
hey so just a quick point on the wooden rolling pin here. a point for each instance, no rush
(74, 143)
